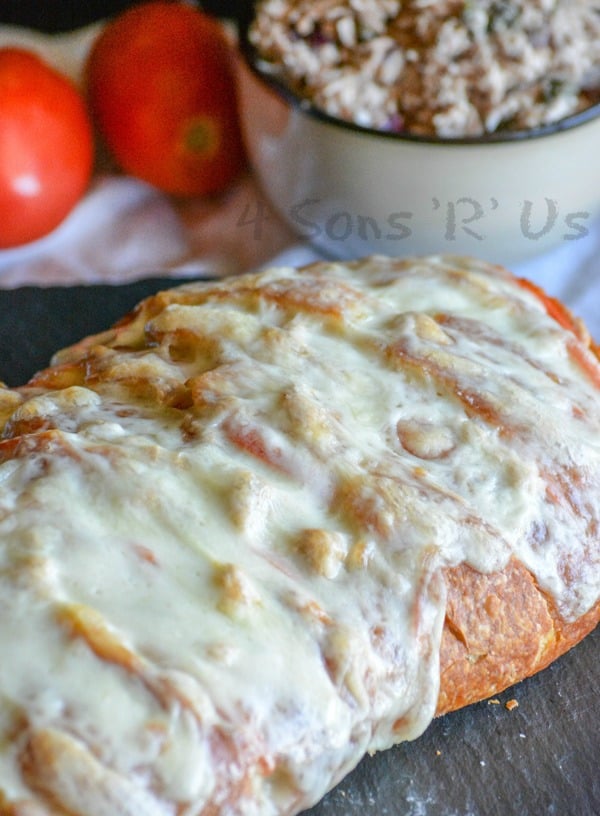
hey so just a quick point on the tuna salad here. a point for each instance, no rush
(445, 68)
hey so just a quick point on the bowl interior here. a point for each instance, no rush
(270, 75)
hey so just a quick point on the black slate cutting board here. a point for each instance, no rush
(540, 759)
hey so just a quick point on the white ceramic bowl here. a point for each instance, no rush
(351, 191)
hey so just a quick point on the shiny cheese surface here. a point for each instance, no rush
(223, 526)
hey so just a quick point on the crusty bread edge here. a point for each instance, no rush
(499, 629)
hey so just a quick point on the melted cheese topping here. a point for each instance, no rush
(223, 525)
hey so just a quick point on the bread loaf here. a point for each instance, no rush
(264, 525)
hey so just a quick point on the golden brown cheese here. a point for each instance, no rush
(237, 529)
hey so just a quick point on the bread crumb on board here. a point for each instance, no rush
(510, 705)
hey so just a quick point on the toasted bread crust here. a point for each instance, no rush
(499, 629)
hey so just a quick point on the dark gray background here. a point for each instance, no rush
(64, 15)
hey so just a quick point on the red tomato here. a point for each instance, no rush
(162, 94)
(46, 147)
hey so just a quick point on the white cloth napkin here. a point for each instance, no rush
(122, 230)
